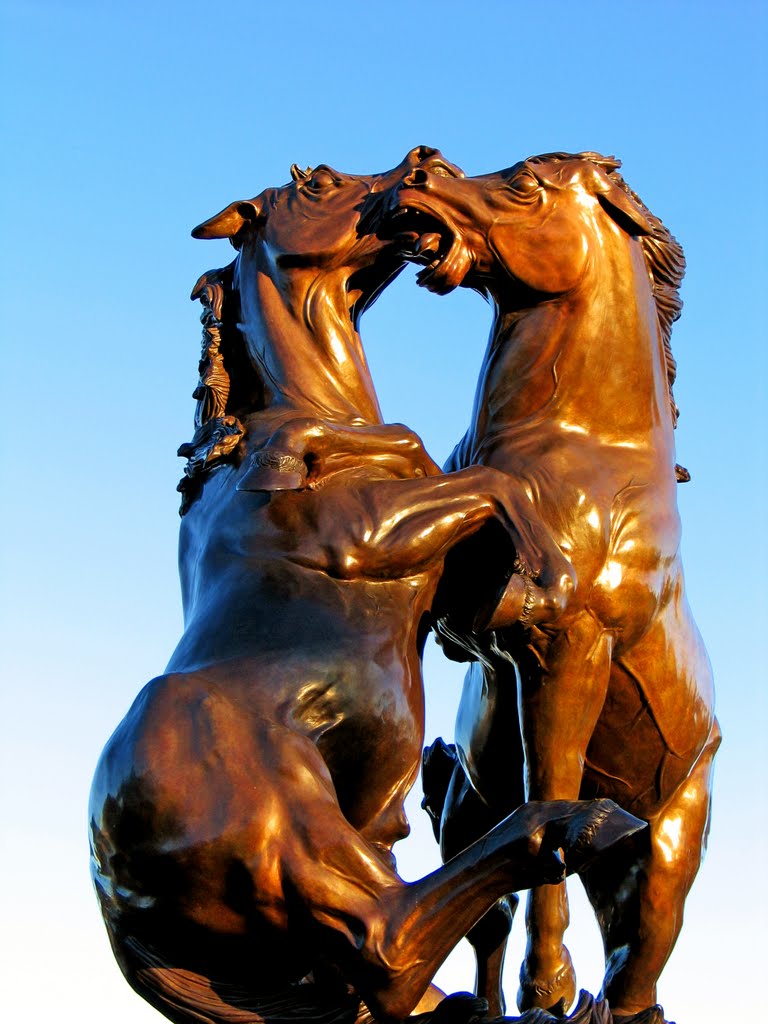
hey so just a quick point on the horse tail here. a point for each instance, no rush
(185, 996)
(437, 767)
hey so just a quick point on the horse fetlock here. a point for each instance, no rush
(526, 840)
(549, 984)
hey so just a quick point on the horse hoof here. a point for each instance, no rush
(594, 829)
(552, 990)
(273, 469)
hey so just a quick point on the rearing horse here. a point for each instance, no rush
(574, 401)
(244, 811)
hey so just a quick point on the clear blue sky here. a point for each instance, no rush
(124, 126)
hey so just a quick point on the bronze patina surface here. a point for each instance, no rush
(244, 811)
(613, 697)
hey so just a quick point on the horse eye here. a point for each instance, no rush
(320, 180)
(524, 184)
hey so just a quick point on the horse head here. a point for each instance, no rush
(308, 265)
(532, 227)
(545, 227)
(317, 224)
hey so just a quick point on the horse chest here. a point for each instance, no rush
(619, 532)
(631, 582)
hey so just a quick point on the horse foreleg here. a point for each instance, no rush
(639, 892)
(393, 529)
(305, 451)
(418, 924)
(562, 691)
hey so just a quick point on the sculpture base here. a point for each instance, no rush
(462, 1008)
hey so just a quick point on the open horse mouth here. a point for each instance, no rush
(426, 237)
(379, 266)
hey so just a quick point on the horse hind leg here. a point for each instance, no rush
(639, 891)
(458, 817)
(547, 976)
(489, 941)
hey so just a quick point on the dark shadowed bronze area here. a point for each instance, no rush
(613, 697)
(244, 811)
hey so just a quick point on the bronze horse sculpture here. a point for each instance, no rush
(574, 400)
(243, 813)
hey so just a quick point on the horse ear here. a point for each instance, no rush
(621, 207)
(231, 220)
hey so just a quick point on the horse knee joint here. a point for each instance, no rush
(558, 596)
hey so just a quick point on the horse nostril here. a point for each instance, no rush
(416, 177)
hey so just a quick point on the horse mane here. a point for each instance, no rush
(219, 296)
(228, 388)
(664, 259)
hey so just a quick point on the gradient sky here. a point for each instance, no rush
(125, 125)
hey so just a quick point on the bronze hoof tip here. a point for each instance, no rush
(274, 470)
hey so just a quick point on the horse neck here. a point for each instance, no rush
(301, 337)
(591, 361)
